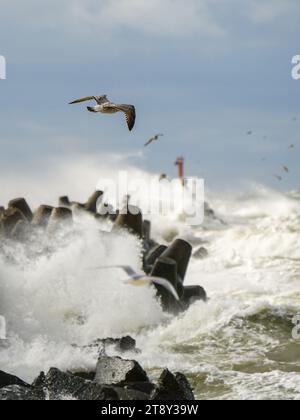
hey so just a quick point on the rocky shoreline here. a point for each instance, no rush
(114, 378)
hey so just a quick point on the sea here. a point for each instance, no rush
(242, 344)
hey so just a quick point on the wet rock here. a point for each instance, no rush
(130, 394)
(21, 204)
(87, 376)
(144, 387)
(6, 380)
(21, 231)
(173, 388)
(179, 251)
(20, 393)
(154, 253)
(192, 294)
(166, 268)
(127, 343)
(39, 382)
(93, 201)
(60, 217)
(41, 216)
(64, 202)
(62, 385)
(146, 230)
(9, 219)
(201, 253)
(130, 218)
(117, 371)
(124, 344)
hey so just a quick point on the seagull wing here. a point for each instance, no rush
(78, 101)
(130, 114)
(149, 142)
(128, 270)
(166, 285)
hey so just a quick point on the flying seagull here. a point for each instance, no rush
(286, 169)
(155, 138)
(249, 133)
(279, 178)
(142, 279)
(105, 106)
(291, 146)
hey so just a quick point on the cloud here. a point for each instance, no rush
(151, 17)
(269, 10)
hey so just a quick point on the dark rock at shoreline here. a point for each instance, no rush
(7, 380)
(179, 251)
(60, 216)
(117, 371)
(144, 387)
(64, 202)
(123, 344)
(9, 219)
(192, 294)
(93, 201)
(130, 218)
(86, 375)
(20, 393)
(152, 255)
(201, 253)
(41, 216)
(39, 382)
(61, 385)
(21, 204)
(172, 387)
(21, 231)
(127, 343)
(116, 379)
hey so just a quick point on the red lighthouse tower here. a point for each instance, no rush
(180, 163)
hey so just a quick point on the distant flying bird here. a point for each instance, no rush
(291, 146)
(286, 169)
(279, 178)
(163, 177)
(142, 279)
(249, 133)
(155, 138)
(105, 106)
(294, 119)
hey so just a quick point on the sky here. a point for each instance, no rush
(203, 72)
